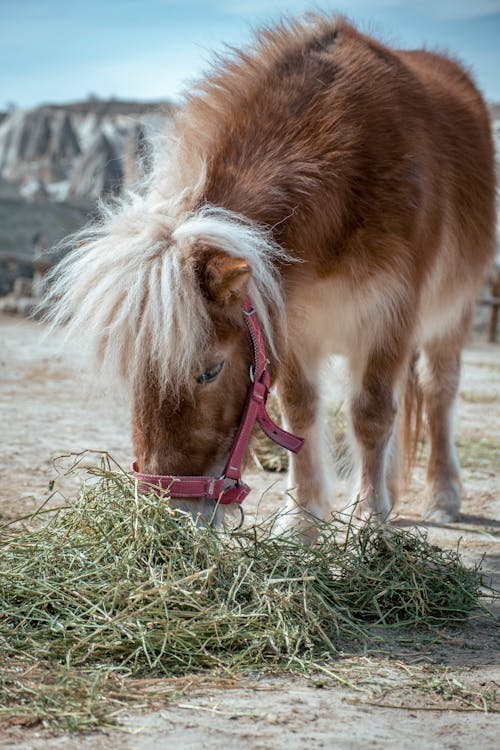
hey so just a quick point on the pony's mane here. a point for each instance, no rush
(130, 290)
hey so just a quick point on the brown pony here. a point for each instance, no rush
(348, 190)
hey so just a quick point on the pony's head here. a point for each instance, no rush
(159, 299)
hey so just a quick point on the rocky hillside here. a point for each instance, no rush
(55, 162)
(76, 151)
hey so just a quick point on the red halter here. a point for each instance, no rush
(211, 488)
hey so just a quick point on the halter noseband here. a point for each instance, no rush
(212, 488)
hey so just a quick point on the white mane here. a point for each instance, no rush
(130, 291)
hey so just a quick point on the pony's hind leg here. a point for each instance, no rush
(439, 376)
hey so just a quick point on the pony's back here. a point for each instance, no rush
(335, 140)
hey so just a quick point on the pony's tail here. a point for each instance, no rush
(411, 419)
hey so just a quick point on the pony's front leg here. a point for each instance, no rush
(310, 477)
(373, 411)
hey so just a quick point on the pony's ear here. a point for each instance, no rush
(225, 278)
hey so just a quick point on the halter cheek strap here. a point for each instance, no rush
(212, 488)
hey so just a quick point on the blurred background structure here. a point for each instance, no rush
(63, 148)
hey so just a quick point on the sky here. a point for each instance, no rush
(65, 50)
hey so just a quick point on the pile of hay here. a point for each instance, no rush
(123, 581)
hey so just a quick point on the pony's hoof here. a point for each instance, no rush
(442, 515)
(365, 513)
(444, 505)
(299, 529)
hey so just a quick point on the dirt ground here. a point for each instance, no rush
(429, 694)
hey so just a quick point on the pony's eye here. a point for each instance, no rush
(210, 374)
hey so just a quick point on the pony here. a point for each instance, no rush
(347, 190)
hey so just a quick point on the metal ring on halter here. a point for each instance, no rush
(242, 518)
(232, 529)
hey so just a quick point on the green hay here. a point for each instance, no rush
(123, 581)
(119, 586)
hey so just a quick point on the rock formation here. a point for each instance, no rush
(76, 150)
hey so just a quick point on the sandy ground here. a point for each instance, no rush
(49, 407)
